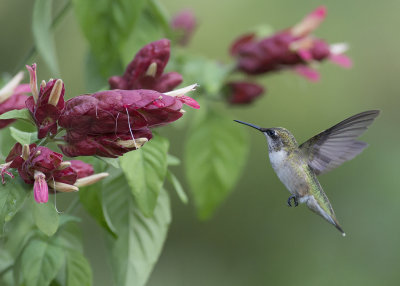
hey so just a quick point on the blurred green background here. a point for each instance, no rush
(254, 238)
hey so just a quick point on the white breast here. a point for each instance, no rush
(277, 158)
(288, 176)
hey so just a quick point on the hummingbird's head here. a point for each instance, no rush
(278, 138)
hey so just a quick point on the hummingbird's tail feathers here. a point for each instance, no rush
(337, 225)
(328, 214)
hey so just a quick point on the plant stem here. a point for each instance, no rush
(32, 51)
(5, 270)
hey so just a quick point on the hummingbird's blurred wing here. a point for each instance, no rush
(337, 144)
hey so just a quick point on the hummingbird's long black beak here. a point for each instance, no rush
(251, 125)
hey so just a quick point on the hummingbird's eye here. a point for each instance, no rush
(271, 133)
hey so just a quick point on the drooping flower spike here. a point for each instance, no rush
(113, 122)
(46, 103)
(146, 71)
(295, 48)
(13, 96)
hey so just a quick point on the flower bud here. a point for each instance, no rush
(62, 187)
(90, 180)
(243, 92)
(184, 24)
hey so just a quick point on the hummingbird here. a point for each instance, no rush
(298, 166)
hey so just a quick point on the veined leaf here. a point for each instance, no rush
(41, 27)
(150, 27)
(78, 270)
(91, 199)
(46, 217)
(12, 196)
(140, 239)
(40, 262)
(23, 114)
(215, 153)
(145, 170)
(22, 136)
(110, 161)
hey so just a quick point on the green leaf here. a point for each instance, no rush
(42, 34)
(110, 161)
(140, 239)
(208, 73)
(40, 262)
(107, 25)
(150, 27)
(78, 270)
(23, 114)
(178, 187)
(12, 196)
(215, 154)
(94, 80)
(145, 170)
(263, 31)
(91, 199)
(69, 236)
(66, 218)
(172, 160)
(161, 14)
(23, 137)
(46, 217)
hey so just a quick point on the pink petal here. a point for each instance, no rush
(306, 55)
(22, 88)
(319, 13)
(33, 80)
(189, 101)
(40, 190)
(341, 60)
(307, 72)
(310, 22)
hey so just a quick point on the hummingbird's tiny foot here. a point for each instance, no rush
(289, 201)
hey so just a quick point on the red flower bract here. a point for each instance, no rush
(47, 104)
(108, 145)
(82, 169)
(146, 70)
(241, 92)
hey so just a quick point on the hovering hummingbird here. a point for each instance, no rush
(298, 166)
